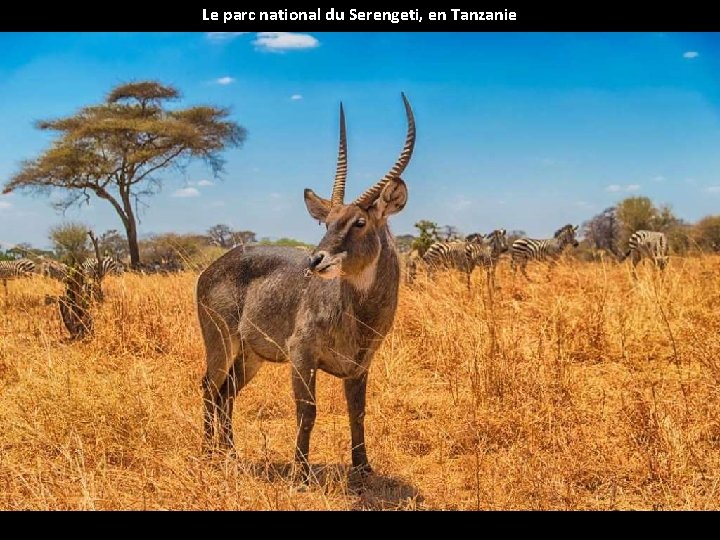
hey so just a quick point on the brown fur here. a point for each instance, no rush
(329, 311)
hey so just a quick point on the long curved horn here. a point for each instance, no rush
(338, 192)
(371, 194)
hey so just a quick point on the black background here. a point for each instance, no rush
(153, 16)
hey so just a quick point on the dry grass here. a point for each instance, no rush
(593, 391)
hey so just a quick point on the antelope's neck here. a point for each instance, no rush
(382, 275)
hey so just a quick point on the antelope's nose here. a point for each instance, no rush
(316, 259)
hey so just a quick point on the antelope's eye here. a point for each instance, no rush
(360, 223)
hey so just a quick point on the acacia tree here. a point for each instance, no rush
(71, 242)
(112, 243)
(636, 213)
(603, 230)
(450, 233)
(223, 236)
(428, 234)
(707, 233)
(116, 150)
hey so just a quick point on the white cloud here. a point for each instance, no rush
(205, 183)
(4, 205)
(616, 188)
(459, 203)
(713, 189)
(584, 204)
(275, 196)
(296, 97)
(186, 193)
(284, 41)
(691, 54)
(224, 81)
(219, 37)
(659, 179)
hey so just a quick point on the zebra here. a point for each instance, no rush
(647, 244)
(97, 271)
(411, 259)
(525, 249)
(449, 255)
(59, 271)
(15, 269)
(466, 255)
(107, 265)
(53, 269)
(90, 269)
(486, 251)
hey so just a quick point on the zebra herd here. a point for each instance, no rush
(485, 251)
(476, 250)
(22, 268)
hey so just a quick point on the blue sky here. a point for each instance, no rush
(517, 130)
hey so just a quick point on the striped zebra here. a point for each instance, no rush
(97, 271)
(107, 265)
(647, 245)
(411, 260)
(53, 269)
(526, 249)
(466, 255)
(93, 272)
(486, 251)
(15, 269)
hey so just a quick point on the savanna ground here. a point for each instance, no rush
(593, 391)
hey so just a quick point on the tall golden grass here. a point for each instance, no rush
(591, 391)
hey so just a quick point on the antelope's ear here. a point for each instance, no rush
(575, 228)
(318, 207)
(392, 198)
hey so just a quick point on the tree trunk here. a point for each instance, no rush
(75, 305)
(130, 229)
(127, 217)
(133, 246)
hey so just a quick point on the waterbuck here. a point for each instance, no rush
(329, 311)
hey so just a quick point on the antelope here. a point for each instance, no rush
(329, 310)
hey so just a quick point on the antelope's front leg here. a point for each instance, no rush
(355, 396)
(304, 375)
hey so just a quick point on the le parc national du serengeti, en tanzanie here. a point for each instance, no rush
(359, 271)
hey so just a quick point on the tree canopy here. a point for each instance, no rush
(429, 233)
(116, 150)
(71, 242)
(707, 233)
(225, 237)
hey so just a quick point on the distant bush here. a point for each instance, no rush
(284, 242)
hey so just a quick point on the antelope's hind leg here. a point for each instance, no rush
(221, 351)
(241, 373)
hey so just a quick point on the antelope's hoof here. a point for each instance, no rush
(362, 471)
